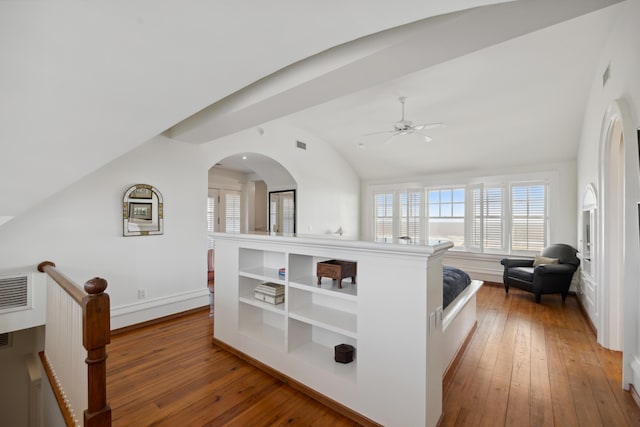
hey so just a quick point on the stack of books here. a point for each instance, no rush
(271, 293)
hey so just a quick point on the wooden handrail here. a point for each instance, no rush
(96, 334)
(63, 281)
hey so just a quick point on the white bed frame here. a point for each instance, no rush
(458, 321)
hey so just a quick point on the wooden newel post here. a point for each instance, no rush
(96, 335)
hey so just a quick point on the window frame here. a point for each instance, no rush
(504, 182)
(427, 216)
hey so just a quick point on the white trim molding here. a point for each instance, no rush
(635, 373)
(150, 309)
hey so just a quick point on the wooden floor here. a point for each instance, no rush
(171, 375)
(527, 364)
(538, 365)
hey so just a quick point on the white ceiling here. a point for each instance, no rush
(83, 83)
(518, 102)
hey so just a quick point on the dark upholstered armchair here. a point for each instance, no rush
(551, 273)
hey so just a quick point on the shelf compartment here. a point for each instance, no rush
(327, 287)
(302, 274)
(264, 274)
(246, 295)
(263, 325)
(277, 308)
(262, 265)
(333, 314)
(316, 346)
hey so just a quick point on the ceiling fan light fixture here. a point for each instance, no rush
(406, 127)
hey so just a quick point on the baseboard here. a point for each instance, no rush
(634, 395)
(447, 377)
(635, 373)
(498, 284)
(585, 315)
(150, 309)
(155, 321)
(297, 385)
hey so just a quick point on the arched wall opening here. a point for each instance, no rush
(612, 221)
(238, 192)
(617, 265)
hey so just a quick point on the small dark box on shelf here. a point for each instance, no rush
(344, 353)
(337, 270)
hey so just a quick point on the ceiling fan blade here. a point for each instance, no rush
(427, 138)
(388, 141)
(428, 126)
(378, 133)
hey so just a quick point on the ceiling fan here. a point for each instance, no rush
(406, 127)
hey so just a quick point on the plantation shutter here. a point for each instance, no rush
(212, 208)
(476, 223)
(528, 217)
(493, 218)
(410, 203)
(232, 211)
(383, 217)
(212, 216)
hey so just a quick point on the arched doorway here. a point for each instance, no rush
(611, 277)
(248, 179)
(617, 264)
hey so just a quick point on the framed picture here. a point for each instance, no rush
(141, 193)
(140, 211)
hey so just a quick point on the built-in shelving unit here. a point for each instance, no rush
(298, 336)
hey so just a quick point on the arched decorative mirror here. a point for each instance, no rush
(142, 211)
(282, 212)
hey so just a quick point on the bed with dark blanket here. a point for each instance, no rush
(454, 281)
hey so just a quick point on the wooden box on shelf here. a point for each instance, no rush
(337, 270)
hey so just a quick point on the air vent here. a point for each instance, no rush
(301, 145)
(5, 340)
(605, 75)
(13, 293)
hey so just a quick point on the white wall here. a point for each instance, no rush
(327, 192)
(260, 206)
(622, 53)
(80, 229)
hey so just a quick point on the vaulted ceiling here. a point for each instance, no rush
(83, 83)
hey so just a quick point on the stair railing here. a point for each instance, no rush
(77, 332)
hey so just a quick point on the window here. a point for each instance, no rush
(288, 211)
(410, 216)
(501, 217)
(528, 217)
(487, 219)
(212, 216)
(446, 215)
(383, 205)
(493, 218)
(232, 211)
(273, 215)
(212, 208)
